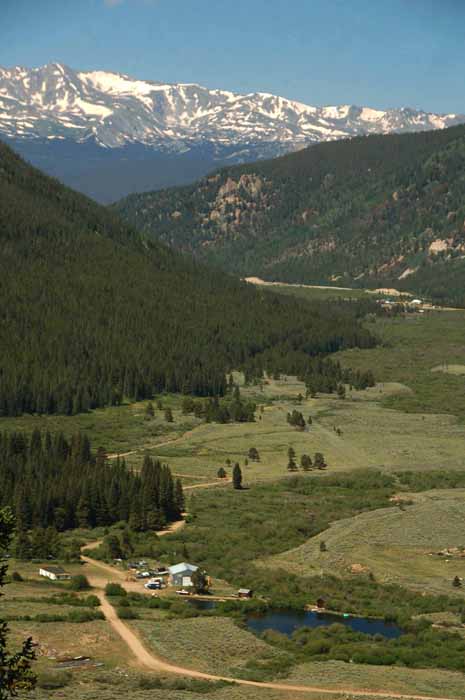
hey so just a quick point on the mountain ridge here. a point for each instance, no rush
(112, 112)
(375, 211)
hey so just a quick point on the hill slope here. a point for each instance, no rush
(109, 134)
(93, 312)
(371, 211)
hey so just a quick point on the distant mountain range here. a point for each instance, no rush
(108, 134)
(370, 211)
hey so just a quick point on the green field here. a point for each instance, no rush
(312, 293)
(372, 436)
(410, 348)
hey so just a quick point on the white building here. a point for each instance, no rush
(181, 574)
(54, 573)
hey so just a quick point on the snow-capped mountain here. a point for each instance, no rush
(106, 110)
(57, 102)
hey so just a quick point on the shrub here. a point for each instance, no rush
(150, 683)
(115, 589)
(89, 601)
(85, 615)
(181, 608)
(52, 680)
(79, 583)
(46, 617)
(127, 613)
(15, 576)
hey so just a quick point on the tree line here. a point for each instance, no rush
(52, 482)
(232, 409)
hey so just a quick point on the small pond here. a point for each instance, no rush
(202, 604)
(288, 621)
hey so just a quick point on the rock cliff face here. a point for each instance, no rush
(376, 211)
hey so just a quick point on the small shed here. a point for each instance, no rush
(54, 573)
(245, 593)
(181, 574)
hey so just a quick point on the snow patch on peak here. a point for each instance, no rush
(116, 83)
(336, 112)
(372, 115)
(114, 109)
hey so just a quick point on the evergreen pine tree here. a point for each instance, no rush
(237, 477)
(306, 463)
(15, 667)
(179, 497)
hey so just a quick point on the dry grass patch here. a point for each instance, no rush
(449, 369)
(209, 644)
(333, 674)
(394, 544)
(60, 639)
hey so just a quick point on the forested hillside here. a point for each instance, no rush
(377, 210)
(93, 313)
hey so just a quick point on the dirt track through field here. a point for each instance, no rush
(103, 574)
(152, 446)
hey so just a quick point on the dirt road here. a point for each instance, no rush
(151, 446)
(99, 574)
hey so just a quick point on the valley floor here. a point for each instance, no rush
(412, 420)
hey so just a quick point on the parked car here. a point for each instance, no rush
(153, 585)
(142, 574)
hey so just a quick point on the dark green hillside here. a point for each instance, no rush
(377, 210)
(92, 312)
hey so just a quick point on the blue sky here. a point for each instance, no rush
(380, 53)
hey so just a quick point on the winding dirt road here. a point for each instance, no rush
(151, 446)
(99, 574)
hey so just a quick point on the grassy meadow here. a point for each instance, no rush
(390, 679)
(397, 545)
(372, 436)
(312, 293)
(413, 419)
(224, 649)
(410, 351)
